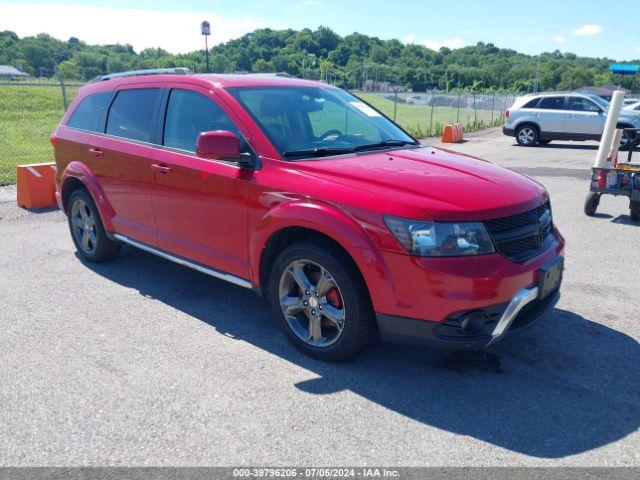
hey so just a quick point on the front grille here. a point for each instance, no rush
(524, 235)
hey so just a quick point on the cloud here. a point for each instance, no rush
(449, 43)
(588, 29)
(638, 48)
(176, 32)
(559, 39)
(409, 39)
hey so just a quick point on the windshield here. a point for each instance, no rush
(600, 101)
(304, 122)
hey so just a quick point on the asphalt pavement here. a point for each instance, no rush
(144, 362)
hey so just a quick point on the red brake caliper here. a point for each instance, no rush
(333, 297)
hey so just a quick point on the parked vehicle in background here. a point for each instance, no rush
(541, 118)
(627, 102)
(314, 199)
(634, 106)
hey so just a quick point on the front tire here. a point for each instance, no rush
(627, 141)
(527, 135)
(591, 203)
(320, 300)
(87, 231)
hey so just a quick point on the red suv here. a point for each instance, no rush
(313, 198)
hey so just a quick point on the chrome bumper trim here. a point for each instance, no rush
(182, 261)
(517, 303)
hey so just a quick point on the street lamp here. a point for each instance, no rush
(205, 29)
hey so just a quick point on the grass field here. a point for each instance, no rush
(416, 119)
(28, 117)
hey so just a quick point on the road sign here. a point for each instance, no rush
(205, 28)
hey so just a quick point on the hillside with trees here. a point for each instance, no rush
(351, 61)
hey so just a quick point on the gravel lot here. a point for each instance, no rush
(143, 362)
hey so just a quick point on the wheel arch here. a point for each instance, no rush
(77, 175)
(293, 222)
(525, 123)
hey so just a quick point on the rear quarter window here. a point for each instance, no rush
(89, 112)
(531, 103)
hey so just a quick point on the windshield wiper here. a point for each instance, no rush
(386, 143)
(319, 152)
(323, 152)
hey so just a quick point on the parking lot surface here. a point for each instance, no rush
(144, 362)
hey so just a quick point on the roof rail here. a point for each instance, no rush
(139, 73)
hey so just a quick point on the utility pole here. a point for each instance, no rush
(205, 29)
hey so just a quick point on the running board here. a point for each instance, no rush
(241, 282)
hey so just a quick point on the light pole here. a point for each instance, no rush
(205, 29)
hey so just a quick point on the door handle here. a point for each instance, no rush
(96, 152)
(160, 168)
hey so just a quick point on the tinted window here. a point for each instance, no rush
(88, 114)
(552, 103)
(131, 114)
(582, 105)
(188, 115)
(532, 103)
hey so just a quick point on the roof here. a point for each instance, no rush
(555, 94)
(9, 71)
(204, 80)
(254, 80)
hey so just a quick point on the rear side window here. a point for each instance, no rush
(531, 103)
(552, 103)
(88, 114)
(188, 115)
(131, 114)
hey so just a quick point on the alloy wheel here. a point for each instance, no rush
(527, 135)
(312, 303)
(624, 141)
(83, 224)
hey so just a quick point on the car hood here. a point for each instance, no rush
(444, 184)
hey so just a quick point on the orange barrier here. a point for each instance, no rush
(36, 185)
(447, 134)
(452, 133)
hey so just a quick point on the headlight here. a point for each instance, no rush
(440, 239)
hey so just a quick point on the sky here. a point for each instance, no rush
(585, 27)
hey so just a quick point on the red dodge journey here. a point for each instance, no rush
(346, 224)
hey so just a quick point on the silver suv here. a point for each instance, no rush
(540, 118)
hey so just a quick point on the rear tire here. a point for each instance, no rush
(87, 231)
(336, 323)
(591, 203)
(634, 208)
(527, 135)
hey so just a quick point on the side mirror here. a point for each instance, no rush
(220, 145)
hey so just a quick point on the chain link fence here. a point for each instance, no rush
(30, 110)
(424, 114)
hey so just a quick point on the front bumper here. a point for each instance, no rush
(524, 310)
